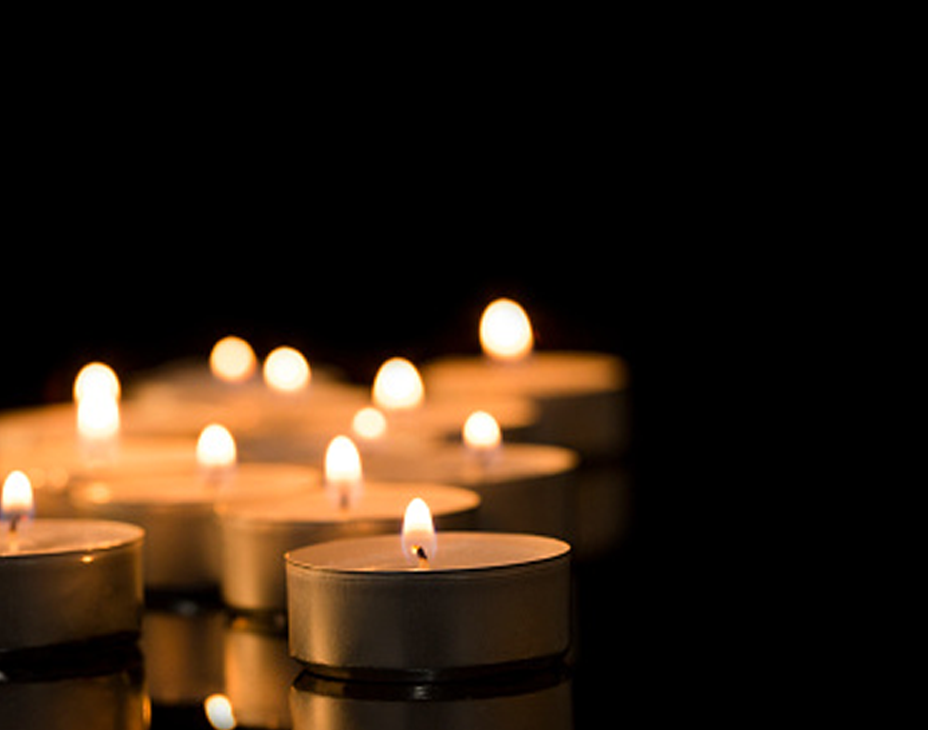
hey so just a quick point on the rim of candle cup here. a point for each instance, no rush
(126, 534)
(556, 550)
(89, 492)
(272, 513)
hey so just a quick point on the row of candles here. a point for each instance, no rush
(350, 553)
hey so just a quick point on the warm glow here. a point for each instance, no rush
(219, 712)
(505, 331)
(481, 432)
(17, 495)
(96, 378)
(286, 370)
(216, 447)
(232, 360)
(418, 532)
(342, 471)
(369, 424)
(398, 385)
(97, 415)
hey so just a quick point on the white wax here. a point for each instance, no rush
(55, 537)
(456, 552)
(540, 374)
(378, 502)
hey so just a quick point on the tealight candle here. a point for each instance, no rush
(522, 487)
(176, 507)
(64, 581)
(256, 534)
(582, 395)
(428, 608)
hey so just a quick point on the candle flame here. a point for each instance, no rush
(216, 447)
(398, 385)
(219, 712)
(232, 360)
(97, 415)
(419, 542)
(481, 432)
(369, 424)
(505, 331)
(286, 370)
(96, 378)
(343, 471)
(16, 499)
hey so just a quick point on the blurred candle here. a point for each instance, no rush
(581, 395)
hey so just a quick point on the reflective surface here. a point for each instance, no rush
(193, 647)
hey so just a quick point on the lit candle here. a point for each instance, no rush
(581, 395)
(522, 487)
(426, 607)
(64, 581)
(176, 506)
(256, 534)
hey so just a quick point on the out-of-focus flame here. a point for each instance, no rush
(481, 432)
(96, 378)
(216, 447)
(97, 416)
(219, 712)
(505, 331)
(343, 471)
(398, 386)
(369, 424)
(286, 370)
(232, 360)
(17, 495)
(419, 542)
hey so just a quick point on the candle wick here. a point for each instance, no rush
(422, 555)
(14, 523)
(343, 499)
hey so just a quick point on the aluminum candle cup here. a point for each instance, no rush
(582, 396)
(522, 487)
(177, 512)
(486, 602)
(256, 535)
(65, 581)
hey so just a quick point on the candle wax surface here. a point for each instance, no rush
(53, 537)
(459, 464)
(457, 551)
(540, 374)
(192, 486)
(377, 502)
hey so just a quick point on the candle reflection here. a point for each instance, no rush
(537, 700)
